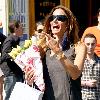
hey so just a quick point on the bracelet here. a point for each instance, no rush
(60, 55)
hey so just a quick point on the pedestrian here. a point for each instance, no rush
(64, 59)
(2, 38)
(12, 72)
(96, 31)
(90, 80)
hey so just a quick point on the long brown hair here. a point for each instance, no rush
(72, 29)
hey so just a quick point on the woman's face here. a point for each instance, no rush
(58, 22)
(39, 32)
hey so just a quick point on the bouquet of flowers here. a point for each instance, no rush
(29, 56)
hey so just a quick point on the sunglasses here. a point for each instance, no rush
(39, 30)
(61, 18)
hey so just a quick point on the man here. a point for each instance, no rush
(12, 73)
(90, 80)
(2, 38)
(96, 31)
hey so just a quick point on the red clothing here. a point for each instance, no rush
(94, 30)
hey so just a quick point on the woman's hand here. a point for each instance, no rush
(80, 47)
(52, 43)
(29, 75)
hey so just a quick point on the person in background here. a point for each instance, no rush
(96, 31)
(12, 73)
(1, 85)
(64, 57)
(39, 29)
(2, 38)
(90, 80)
(41, 39)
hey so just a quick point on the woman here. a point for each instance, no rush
(62, 67)
(39, 29)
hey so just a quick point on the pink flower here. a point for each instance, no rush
(36, 49)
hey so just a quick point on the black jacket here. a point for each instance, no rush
(10, 67)
(2, 38)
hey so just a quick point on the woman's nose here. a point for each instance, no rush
(55, 19)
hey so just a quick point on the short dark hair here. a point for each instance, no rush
(89, 35)
(12, 25)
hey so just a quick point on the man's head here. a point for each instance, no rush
(15, 27)
(90, 42)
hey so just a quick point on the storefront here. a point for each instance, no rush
(41, 9)
(27, 11)
(30, 11)
(3, 16)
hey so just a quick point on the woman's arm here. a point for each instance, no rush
(74, 69)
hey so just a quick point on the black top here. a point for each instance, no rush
(10, 67)
(2, 38)
(59, 85)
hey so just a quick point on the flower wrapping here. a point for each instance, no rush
(31, 58)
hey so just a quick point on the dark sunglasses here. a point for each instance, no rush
(61, 18)
(39, 30)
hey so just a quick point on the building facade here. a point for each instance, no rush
(27, 11)
(30, 11)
